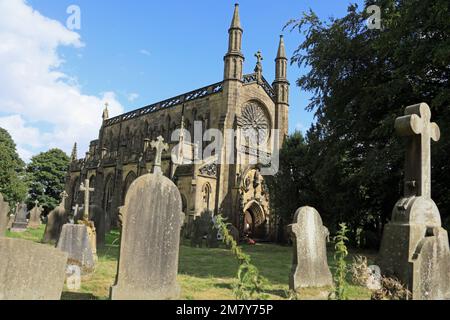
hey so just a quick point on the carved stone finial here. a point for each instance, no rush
(106, 112)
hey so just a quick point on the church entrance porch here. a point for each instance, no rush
(255, 222)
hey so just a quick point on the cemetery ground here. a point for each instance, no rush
(204, 273)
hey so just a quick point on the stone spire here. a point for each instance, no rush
(281, 62)
(234, 59)
(74, 156)
(281, 49)
(236, 22)
(281, 86)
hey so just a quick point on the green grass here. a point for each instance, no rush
(204, 274)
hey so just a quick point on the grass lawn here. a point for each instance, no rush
(204, 274)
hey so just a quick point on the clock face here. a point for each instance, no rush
(254, 123)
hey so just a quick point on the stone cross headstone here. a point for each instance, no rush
(414, 247)
(160, 146)
(87, 190)
(30, 271)
(55, 221)
(310, 264)
(148, 261)
(4, 216)
(35, 216)
(419, 130)
(20, 222)
(84, 187)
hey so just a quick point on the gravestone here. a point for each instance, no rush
(203, 228)
(73, 277)
(75, 241)
(30, 271)
(234, 233)
(310, 264)
(97, 216)
(35, 216)
(20, 221)
(79, 240)
(4, 216)
(11, 219)
(374, 278)
(84, 187)
(55, 221)
(152, 220)
(414, 247)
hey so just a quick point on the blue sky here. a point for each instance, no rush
(145, 51)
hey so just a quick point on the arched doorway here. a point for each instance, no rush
(128, 181)
(255, 222)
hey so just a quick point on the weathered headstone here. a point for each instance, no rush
(73, 277)
(310, 264)
(152, 219)
(30, 271)
(374, 278)
(234, 233)
(55, 221)
(11, 219)
(4, 216)
(415, 247)
(20, 222)
(203, 228)
(74, 240)
(35, 216)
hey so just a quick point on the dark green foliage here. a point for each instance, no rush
(46, 174)
(362, 80)
(12, 173)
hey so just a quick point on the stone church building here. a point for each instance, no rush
(237, 190)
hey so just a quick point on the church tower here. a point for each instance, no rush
(232, 87)
(281, 87)
(234, 59)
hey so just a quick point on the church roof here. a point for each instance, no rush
(190, 96)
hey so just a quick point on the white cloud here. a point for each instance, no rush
(132, 97)
(144, 52)
(43, 108)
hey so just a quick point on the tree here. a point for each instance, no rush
(290, 187)
(46, 174)
(12, 177)
(362, 80)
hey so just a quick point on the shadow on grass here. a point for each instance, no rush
(273, 261)
(77, 296)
